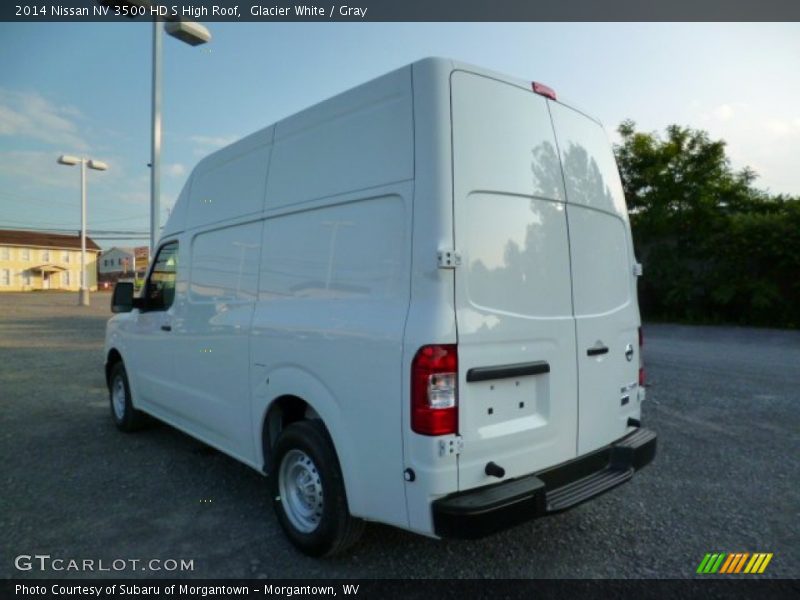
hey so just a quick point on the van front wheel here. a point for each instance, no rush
(308, 491)
(126, 418)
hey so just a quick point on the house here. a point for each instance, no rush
(121, 262)
(33, 260)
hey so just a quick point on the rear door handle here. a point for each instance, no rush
(597, 351)
(166, 328)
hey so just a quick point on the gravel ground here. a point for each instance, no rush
(724, 402)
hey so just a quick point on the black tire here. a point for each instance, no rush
(336, 530)
(129, 418)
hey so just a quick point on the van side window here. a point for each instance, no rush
(160, 288)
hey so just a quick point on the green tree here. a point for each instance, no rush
(715, 248)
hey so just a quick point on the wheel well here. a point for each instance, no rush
(113, 358)
(282, 412)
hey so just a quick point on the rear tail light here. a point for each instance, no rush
(543, 90)
(641, 360)
(434, 390)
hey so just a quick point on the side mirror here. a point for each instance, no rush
(122, 298)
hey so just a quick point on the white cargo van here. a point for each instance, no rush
(412, 303)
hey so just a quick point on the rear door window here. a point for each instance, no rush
(511, 226)
(598, 232)
(591, 177)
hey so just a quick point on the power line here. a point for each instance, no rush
(63, 202)
(121, 219)
(7, 195)
(77, 230)
(62, 225)
(51, 203)
(35, 228)
(23, 223)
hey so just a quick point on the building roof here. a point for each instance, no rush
(138, 251)
(11, 237)
(125, 249)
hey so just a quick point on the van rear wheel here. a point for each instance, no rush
(308, 491)
(126, 418)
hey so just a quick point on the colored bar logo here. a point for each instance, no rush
(735, 562)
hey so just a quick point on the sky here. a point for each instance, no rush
(84, 89)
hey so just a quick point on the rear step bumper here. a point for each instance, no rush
(475, 513)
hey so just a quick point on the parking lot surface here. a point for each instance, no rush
(724, 402)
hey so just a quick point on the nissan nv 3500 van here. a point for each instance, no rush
(413, 303)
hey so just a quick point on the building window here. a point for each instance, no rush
(5, 253)
(65, 256)
(45, 255)
(65, 279)
(25, 254)
(5, 277)
(26, 277)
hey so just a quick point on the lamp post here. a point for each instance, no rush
(189, 32)
(71, 161)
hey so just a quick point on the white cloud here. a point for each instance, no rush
(135, 191)
(36, 168)
(213, 141)
(134, 196)
(206, 144)
(723, 112)
(29, 115)
(782, 128)
(767, 142)
(175, 170)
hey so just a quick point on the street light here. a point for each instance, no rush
(71, 161)
(189, 32)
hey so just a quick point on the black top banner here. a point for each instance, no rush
(400, 10)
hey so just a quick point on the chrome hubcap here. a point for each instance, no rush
(301, 490)
(118, 398)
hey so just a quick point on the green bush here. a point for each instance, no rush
(714, 248)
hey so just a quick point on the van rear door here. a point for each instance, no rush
(603, 280)
(516, 331)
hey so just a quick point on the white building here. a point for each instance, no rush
(122, 261)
